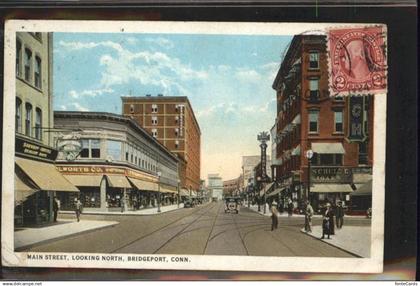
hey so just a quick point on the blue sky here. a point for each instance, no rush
(227, 78)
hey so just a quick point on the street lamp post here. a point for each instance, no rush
(159, 174)
(309, 154)
(263, 137)
(178, 192)
(258, 194)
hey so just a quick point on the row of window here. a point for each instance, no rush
(32, 69)
(155, 109)
(154, 120)
(30, 129)
(313, 118)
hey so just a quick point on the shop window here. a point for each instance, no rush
(18, 58)
(28, 64)
(338, 121)
(313, 60)
(18, 116)
(38, 124)
(28, 120)
(113, 150)
(95, 148)
(314, 89)
(313, 121)
(85, 149)
(37, 74)
(327, 159)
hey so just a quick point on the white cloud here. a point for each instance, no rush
(162, 42)
(63, 107)
(131, 40)
(89, 93)
(78, 107)
(248, 75)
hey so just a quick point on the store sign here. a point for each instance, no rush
(356, 126)
(33, 149)
(331, 175)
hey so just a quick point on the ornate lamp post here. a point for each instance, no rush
(309, 154)
(263, 137)
(159, 174)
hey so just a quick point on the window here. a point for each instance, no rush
(327, 159)
(37, 73)
(313, 60)
(363, 156)
(18, 58)
(131, 158)
(85, 149)
(154, 133)
(38, 124)
(126, 156)
(338, 120)
(28, 120)
(176, 119)
(95, 146)
(176, 144)
(366, 118)
(313, 121)
(28, 59)
(338, 98)
(154, 120)
(113, 150)
(131, 108)
(18, 116)
(313, 88)
(154, 108)
(176, 132)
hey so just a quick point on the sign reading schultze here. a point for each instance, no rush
(331, 175)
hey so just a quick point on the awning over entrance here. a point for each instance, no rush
(266, 188)
(45, 176)
(118, 181)
(85, 180)
(276, 191)
(364, 190)
(23, 190)
(328, 148)
(168, 189)
(331, 188)
(143, 185)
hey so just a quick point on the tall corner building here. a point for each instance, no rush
(171, 120)
(339, 131)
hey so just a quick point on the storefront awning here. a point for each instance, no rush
(23, 190)
(143, 185)
(266, 189)
(331, 188)
(328, 148)
(85, 180)
(168, 189)
(276, 191)
(118, 181)
(296, 151)
(45, 176)
(363, 190)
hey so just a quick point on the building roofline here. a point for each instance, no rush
(114, 117)
(163, 98)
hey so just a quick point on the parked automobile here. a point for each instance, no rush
(189, 204)
(232, 205)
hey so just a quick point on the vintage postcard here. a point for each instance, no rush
(194, 145)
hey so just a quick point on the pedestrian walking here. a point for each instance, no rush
(290, 208)
(309, 212)
(332, 223)
(56, 207)
(274, 216)
(339, 215)
(326, 223)
(122, 204)
(78, 208)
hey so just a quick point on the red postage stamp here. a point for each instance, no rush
(357, 60)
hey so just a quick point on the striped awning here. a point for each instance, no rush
(118, 181)
(143, 185)
(331, 188)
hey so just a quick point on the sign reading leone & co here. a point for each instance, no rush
(33, 149)
(331, 175)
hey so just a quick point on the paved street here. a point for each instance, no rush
(201, 230)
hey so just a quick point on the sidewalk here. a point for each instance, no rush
(353, 239)
(148, 211)
(63, 228)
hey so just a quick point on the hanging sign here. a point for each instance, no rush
(356, 126)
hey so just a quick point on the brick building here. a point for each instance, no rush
(338, 130)
(231, 187)
(171, 120)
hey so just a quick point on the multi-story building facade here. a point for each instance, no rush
(215, 186)
(338, 130)
(36, 178)
(248, 166)
(231, 187)
(171, 120)
(120, 165)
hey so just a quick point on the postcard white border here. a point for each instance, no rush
(374, 264)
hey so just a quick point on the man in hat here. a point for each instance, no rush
(274, 216)
(309, 212)
(339, 215)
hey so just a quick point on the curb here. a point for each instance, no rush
(119, 213)
(329, 243)
(21, 248)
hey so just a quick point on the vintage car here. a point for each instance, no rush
(189, 204)
(231, 205)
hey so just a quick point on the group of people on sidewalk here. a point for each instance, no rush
(77, 208)
(327, 218)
